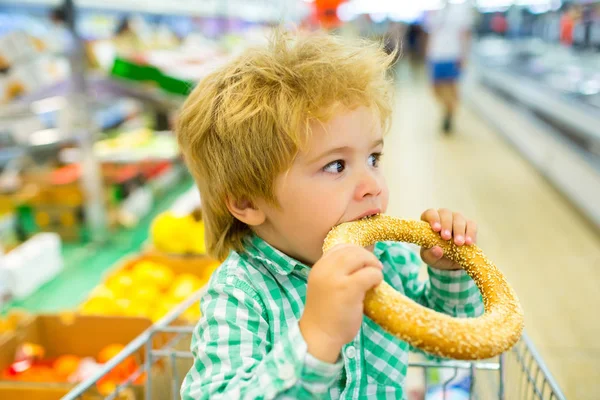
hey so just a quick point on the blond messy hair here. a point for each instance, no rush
(244, 124)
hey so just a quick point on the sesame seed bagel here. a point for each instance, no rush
(489, 335)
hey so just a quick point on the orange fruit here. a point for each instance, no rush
(39, 374)
(109, 352)
(140, 379)
(105, 386)
(65, 366)
(121, 371)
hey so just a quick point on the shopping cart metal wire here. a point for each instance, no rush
(519, 374)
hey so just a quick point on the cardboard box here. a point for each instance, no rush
(83, 336)
(20, 391)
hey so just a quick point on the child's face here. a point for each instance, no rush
(336, 179)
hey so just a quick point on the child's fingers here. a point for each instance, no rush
(446, 221)
(367, 278)
(432, 217)
(471, 232)
(459, 226)
(351, 258)
(432, 256)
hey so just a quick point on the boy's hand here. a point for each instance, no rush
(450, 225)
(336, 290)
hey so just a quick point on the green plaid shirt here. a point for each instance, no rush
(247, 344)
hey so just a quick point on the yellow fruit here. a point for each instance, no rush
(147, 295)
(99, 306)
(162, 309)
(197, 243)
(120, 284)
(184, 286)
(123, 306)
(129, 308)
(192, 314)
(101, 291)
(136, 309)
(148, 273)
(169, 233)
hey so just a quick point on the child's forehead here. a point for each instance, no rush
(342, 127)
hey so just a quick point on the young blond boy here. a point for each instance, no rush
(284, 143)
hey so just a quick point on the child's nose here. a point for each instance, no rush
(368, 185)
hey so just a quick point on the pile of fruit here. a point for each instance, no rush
(31, 365)
(179, 235)
(13, 320)
(145, 289)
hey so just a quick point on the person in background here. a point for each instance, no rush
(568, 20)
(567, 24)
(414, 40)
(499, 24)
(449, 33)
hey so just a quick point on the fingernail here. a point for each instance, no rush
(469, 240)
(459, 239)
(447, 233)
(437, 226)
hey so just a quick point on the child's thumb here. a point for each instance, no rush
(432, 256)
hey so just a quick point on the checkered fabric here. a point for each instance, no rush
(248, 345)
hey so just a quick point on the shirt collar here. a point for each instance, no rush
(277, 261)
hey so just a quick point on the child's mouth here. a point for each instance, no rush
(368, 214)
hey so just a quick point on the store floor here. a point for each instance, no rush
(547, 250)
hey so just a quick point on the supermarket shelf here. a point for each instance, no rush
(85, 264)
(579, 115)
(571, 168)
(250, 10)
(103, 85)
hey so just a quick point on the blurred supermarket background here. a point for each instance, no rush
(101, 228)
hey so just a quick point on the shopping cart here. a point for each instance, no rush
(519, 374)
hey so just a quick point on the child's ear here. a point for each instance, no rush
(246, 211)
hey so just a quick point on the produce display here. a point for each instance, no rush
(145, 288)
(174, 234)
(32, 365)
(138, 78)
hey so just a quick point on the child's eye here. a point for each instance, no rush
(335, 167)
(374, 159)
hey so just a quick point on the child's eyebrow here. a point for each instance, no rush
(343, 149)
(378, 142)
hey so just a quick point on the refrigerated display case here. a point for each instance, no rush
(546, 100)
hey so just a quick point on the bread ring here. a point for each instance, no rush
(489, 335)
